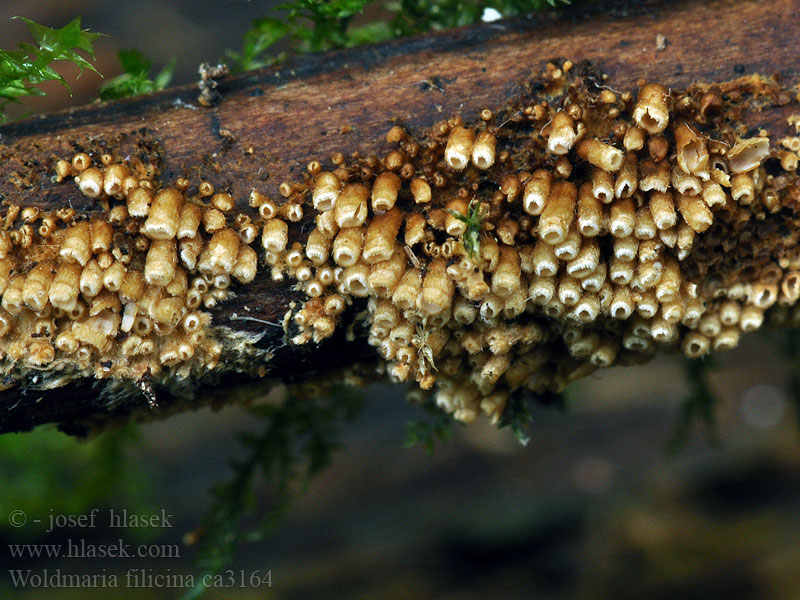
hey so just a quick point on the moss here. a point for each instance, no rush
(23, 69)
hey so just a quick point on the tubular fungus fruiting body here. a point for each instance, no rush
(576, 229)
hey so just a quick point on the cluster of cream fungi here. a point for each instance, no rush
(581, 232)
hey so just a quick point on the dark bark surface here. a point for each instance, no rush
(270, 123)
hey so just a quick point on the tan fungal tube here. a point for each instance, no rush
(590, 212)
(437, 289)
(384, 191)
(507, 275)
(695, 212)
(537, 191)
(562, 134)
(351, 205)
(557, 216)
(326, 191)
(691, 151)
(662, 208)
(381, 235)
(459, 148)
(601, 155)
(651, 112)
(483, 152)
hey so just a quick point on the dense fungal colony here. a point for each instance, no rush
(580, 228)
(583, 229)
(122, 294)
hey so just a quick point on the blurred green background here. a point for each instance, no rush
(596, 506)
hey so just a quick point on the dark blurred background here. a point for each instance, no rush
(193, 31)
(594, 507)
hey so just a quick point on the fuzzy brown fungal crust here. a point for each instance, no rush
(506, 252)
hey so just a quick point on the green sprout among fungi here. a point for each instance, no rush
(471, 237)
